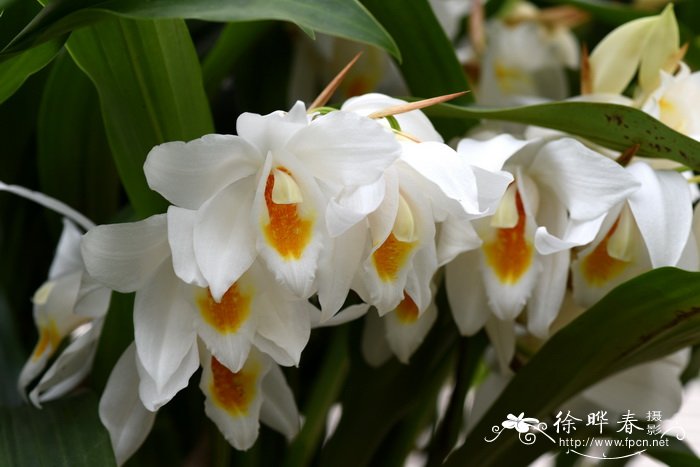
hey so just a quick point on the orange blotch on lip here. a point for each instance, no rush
(227, 315)
(389, 258)
(49, 338)
(599, 267)
(231, 391)
(407, 310)
(510, 254)
(287, 232)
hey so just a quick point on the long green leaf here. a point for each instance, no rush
(15, 71)
(641, 320)
(429, 66)
(75, 166)
(149, 81)
(611, 125)
(343, 18)
(65, 433)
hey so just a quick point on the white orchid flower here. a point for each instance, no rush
(235, 401)
(169, 314)
(650, 229)
(427, 184)
(264, 192)
(560, 196)
(70, 306)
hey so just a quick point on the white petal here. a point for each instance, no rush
(156, 394)
(121, 410)
(237, 414)
(67, 258)
(345, 315)
(353, 205)
(663, 211)
(345, 149)
(456, 236)
(374, 346)
(381, 221)
(93, 298)
(224, 239)
(181, 224)
(188, 174)
(284, 321)
(164, 329)
(616, 58)
(414, 123)
(502, 337)
(279, 410)
(466, 293)
(124, 256)
(442, 166)
(271, 132)
(491, 186)
(405, 336)
(337, 267)
(548, 294)
(587, 183)
(70, 367)
(491, 154)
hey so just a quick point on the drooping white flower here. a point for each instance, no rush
(169, 314)
(650, 229)
(560, 196)
(69, 307)
(429, 183)
(264, 192)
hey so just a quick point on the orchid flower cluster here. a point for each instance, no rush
(268, 232)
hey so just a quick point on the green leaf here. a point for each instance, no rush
(64, 433)
(342, 18)
(641, 320)
(15, 70)
(75, 164)
(611, 125)
(11, 354)
(429, 66)
(149, 81)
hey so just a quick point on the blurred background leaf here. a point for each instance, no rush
(65, 433)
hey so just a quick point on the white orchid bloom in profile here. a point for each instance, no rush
(650, 229)
(170, 314)
(264, 192)
(561, 194)
(427, 184)
(235, 401)
(69, 307)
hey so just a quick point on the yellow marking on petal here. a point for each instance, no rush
(599, 267)
(405, 224)
(286, 232)
(389, 258)
(49, 339)
(510, 254)
(229, 314)
(231, 391)
(407, 310)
